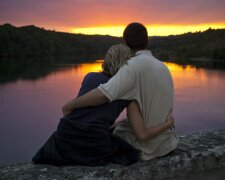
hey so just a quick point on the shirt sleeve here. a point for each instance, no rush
(120, 86)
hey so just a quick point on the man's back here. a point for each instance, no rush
(154, 87)
(149, 82)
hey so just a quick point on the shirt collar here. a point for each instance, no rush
(144, 52)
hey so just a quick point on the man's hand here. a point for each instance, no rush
(66, 109)
(93, 98)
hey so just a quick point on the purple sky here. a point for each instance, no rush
(92, 13)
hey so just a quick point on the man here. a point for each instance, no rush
(145, 80)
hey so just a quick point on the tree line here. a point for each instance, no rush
(199, 46)
(32, 41)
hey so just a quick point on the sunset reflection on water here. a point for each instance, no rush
(199, 99)
(84, 69)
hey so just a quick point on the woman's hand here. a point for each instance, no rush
(170, 121)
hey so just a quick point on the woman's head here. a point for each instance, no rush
(116, 56)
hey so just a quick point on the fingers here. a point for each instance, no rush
(169, 116)
(170, 120)
(173, 121)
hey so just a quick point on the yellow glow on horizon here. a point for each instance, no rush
(108, 30)
(153, 30)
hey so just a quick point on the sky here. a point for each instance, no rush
(161, 17)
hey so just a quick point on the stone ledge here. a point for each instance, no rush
(199, 156)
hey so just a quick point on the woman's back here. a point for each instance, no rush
(100, 117)
(83, 136)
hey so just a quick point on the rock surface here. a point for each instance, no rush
(198, 156)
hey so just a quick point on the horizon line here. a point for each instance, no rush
(117, 31)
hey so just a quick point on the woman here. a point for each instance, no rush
(83, 137)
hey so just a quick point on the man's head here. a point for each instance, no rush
(136, 36)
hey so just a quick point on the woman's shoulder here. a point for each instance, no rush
(92, 80)
(92, 74)
(96, 75)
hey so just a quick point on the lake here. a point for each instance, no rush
(30, 106)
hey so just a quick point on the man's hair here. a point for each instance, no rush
(136, 36)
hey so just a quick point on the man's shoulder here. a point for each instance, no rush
(144, 62)
(141, 60)
(143, 55)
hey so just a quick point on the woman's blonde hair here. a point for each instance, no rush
(116, 56)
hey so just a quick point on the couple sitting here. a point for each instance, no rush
(132, 78)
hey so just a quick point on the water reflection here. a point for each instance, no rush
(33, 68)
(199, 98)
(36, 68)
(30, 110)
